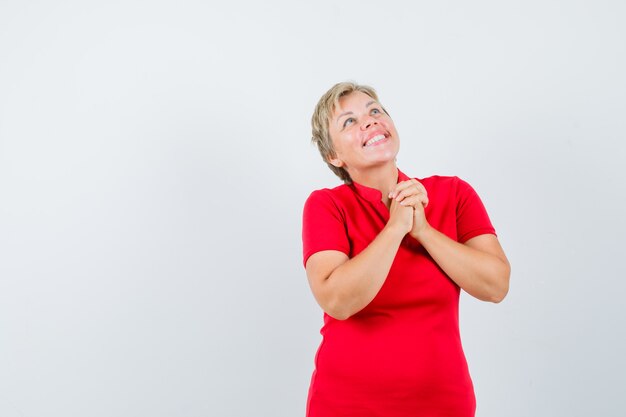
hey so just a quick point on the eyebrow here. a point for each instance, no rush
(349, 112)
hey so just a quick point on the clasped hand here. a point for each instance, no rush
(410, 194)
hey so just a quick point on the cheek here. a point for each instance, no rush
(339, 145)
(346, 139)
(390, 126)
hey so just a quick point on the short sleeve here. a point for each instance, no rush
(323, 225)
(471, 216)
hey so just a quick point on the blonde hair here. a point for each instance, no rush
(321, 118)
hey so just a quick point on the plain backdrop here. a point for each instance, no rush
(155, 157)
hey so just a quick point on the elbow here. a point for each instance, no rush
(338, 312)
(339, 309)
(339, 315)
(333, 302)
(501, 286)
(497, 296)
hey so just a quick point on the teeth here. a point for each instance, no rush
(375, 139)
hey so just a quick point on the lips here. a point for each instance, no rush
(375, 139)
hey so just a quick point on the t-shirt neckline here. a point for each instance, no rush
(372, 194)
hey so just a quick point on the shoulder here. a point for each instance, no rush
(444, 184)
(448, 188)
(328, 200)
(330, 195)
(442, 180)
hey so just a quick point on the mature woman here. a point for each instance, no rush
(386, 256)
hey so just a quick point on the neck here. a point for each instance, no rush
(382, 178)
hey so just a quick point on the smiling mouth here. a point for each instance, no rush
(374, 140)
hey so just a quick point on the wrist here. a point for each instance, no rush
(422, 233)
(395, 231)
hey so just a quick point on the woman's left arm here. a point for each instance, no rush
(479, 266)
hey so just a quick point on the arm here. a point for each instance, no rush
(343, 286)
(479, 266)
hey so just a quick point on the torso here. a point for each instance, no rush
(402, 351)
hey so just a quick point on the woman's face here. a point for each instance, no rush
(363, 134)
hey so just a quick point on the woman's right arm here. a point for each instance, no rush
(344, 286)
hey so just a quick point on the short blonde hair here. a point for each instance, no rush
(321, 118)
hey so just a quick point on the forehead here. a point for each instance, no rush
(356, 100)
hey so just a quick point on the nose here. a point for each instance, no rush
(369, 122)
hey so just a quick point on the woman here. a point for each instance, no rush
(386, 256)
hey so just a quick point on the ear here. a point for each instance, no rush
(336, 161)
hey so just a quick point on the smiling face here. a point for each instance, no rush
(363, 135)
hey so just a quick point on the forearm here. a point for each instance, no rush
(355, 283)
(480, 274)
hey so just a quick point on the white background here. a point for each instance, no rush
(155, 157)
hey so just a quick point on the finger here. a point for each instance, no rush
(395, 206)
(420, 186)
(415, 200)
(409, 189)
(412, 201)
(416, 188)
(399, 187)
(404, 193)
(406, 184)
(407, 192)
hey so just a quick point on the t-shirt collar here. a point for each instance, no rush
(372, 194)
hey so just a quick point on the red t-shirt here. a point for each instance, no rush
(401, 355)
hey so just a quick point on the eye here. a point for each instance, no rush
(375, 111)
(348, 121)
